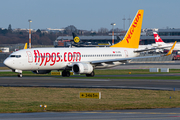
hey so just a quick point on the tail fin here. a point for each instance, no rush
(25, 46)
(132, 37)
(157, 38)
(75, 38)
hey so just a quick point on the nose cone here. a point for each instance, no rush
(7, 62)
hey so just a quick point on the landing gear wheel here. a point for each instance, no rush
(65, 73)
(20, 75)
(91, 74)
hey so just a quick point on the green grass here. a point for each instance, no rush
(25, 99)
(109, 72)
(20, 99)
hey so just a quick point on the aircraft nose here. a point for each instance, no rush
(7, 62)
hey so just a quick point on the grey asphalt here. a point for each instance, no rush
(83, 82)
(147, 114)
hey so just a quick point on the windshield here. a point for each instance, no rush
(16, 56)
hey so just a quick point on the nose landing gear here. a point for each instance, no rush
(20, 75)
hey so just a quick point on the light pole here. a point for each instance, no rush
(29, 33)
(113, 24)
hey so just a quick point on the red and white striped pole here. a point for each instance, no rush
(29, 33)
(113, 24)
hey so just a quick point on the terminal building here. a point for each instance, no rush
(167, 35)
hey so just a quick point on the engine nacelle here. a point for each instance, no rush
(41, 71)
(82, 68)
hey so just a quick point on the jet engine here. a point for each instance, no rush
(82, 68)
(41, 71)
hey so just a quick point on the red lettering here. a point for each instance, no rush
(138, 16)
(42, 57)
(35, 55)
(38, 55)
(128, 37)
(65, 56)
(74, 56)
(131, 31)
(53, 58)
(70, 57)
(78, 56)
(47, 58)
(58, 55)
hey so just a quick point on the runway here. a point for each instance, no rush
(148, 114)
(85, 82)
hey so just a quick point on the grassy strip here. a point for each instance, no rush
(105, 72)
(4, 68)
(109, 72)
(20, 99)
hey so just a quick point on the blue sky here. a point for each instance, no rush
(88, 14)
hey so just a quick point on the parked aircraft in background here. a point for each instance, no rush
(80, 60)
(160, 43)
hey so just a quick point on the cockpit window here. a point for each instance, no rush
(12, 56)
(17, 56)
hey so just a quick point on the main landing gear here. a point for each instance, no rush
(65, 73)
(91, 74)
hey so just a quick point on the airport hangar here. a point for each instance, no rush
(167, 35)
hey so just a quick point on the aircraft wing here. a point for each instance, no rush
(154, 48)
(132, 58)
(124, 59)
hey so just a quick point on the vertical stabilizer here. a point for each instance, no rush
(157, 38)
(75, 38)
(132, 37)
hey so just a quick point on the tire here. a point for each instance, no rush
(20, 75)
(91, 74)
(64, 73)
(67, 73)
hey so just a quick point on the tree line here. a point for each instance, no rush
(8, 36)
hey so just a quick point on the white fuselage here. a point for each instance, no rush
(60, 58)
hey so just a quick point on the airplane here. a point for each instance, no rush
(80, 60)
(78, 43)
(159, 42)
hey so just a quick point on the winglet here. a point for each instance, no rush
(171, 50)
(25, 46)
